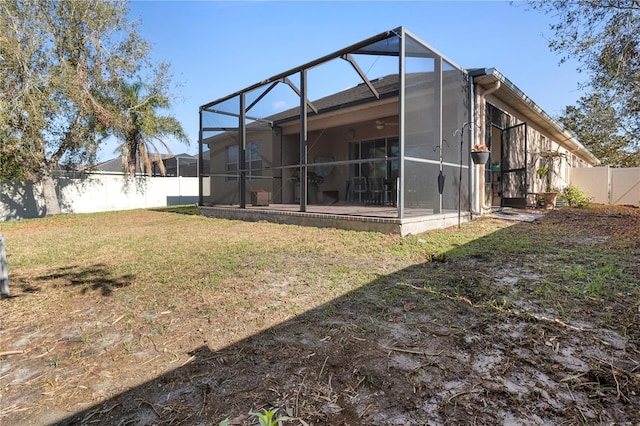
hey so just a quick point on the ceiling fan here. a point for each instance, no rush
(381, 124)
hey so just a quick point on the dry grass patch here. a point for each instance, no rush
(165, 317)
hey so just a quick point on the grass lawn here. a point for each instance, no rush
(165, 317)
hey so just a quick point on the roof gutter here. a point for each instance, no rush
(568, 141)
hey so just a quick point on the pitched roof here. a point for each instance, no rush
(387, 87)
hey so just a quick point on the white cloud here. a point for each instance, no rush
(280, 105)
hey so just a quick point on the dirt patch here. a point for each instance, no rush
(537, 323)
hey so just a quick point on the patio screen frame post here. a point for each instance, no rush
(437, 71)
(401, 124)
(303, 140)
(200, 160)
(242, 154)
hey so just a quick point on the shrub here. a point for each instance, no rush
(575, 197)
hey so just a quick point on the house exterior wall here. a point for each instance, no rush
(331, 143)
(223, 185)
(539, 144)
(429, 99)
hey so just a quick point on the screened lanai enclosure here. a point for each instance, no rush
(374, 133)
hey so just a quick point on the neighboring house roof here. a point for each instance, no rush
(114, 165)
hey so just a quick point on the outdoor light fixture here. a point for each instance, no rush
(380, 124)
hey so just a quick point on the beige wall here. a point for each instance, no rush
(331, 144)
(225, 191)
(537, 142)
(329, 137)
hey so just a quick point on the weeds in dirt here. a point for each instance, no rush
(267, 417)
(164, 318)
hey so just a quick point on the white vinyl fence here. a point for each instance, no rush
(90, 193)
(608, 185)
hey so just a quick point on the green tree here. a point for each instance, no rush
(596, 123)
(142, 126)
(604, 36)
(63, 65)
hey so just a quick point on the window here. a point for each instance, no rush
(253, 161)
(383, 153)
(232, 162)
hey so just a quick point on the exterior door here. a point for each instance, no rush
(513, 158)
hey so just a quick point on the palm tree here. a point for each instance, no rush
(143, 129)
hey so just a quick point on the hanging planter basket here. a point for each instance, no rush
(480, 157)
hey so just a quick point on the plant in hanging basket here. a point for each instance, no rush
(480, 154)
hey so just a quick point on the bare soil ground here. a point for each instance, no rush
(532, 324)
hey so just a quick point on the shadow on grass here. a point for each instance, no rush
(88, 278)
(427, 343)
(190, 209)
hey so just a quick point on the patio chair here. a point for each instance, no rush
(376, 190)
(359, 187)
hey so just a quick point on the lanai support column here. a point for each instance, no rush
(200, 161)
(242, 153)
(303, 140)
(437, 71)
(401, 126)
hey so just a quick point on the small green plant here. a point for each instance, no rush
(267, 417)
(542, 172)
(575, 197)
(55, 363)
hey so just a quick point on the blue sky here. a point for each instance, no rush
(216, 48)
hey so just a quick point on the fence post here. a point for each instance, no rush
(4, 272)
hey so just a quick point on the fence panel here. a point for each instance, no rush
(594, 181)
(96, 193)
(608, 185)
(625, 186)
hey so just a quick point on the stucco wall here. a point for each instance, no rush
(222, 189)
(538, 142)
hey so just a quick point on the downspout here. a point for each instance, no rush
(478, 201)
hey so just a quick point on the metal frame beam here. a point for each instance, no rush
(326, 58)
(347, 57)
(303, 141)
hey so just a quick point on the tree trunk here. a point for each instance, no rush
(132, 139)
(51, 203)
